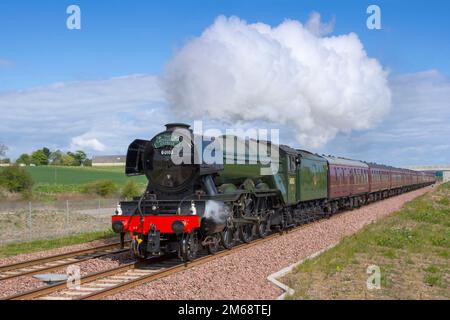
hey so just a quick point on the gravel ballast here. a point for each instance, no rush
(21, 284)
(17, 285)
(243, 274)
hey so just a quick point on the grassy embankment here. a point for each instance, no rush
(411, 247)
(39, 245)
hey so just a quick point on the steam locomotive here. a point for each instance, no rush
(192, 205)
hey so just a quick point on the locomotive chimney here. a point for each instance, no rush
(173, 126)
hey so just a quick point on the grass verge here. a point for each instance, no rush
(411, 248)
(13, 249)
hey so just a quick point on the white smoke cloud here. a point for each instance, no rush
(216, 210)
(286, 75)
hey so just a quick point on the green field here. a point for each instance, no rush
(78, 175)
(58, 179)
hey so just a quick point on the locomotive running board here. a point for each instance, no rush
(248, 220)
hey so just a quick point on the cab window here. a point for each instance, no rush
(292, 165)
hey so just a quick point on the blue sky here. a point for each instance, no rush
(126, 38)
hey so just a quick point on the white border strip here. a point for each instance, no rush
(287, 290)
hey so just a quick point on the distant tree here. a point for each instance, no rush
(24, 159)
(6, 160)
(67, 160)
(55, 158)
(39, 158)
(46, 151)
(79, 156)
(3, 149)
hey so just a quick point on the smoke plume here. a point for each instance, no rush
(216, 210)
(290, 75)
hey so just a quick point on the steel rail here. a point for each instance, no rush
(56, 261)
(35, 293)
(95, 295)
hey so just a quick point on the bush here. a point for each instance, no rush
(130, 190)
(102, 188)
(87, 163)
(16, 179)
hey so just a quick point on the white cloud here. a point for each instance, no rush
(283, 75)
(416, 131)
(84, 142)
(113, 111)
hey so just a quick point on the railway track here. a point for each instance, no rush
(105, 283)
(56, 261)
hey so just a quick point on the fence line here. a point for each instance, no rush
(28, 221)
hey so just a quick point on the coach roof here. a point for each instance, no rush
(345, 162)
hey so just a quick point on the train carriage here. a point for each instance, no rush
(379, 177)
(346, 178)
